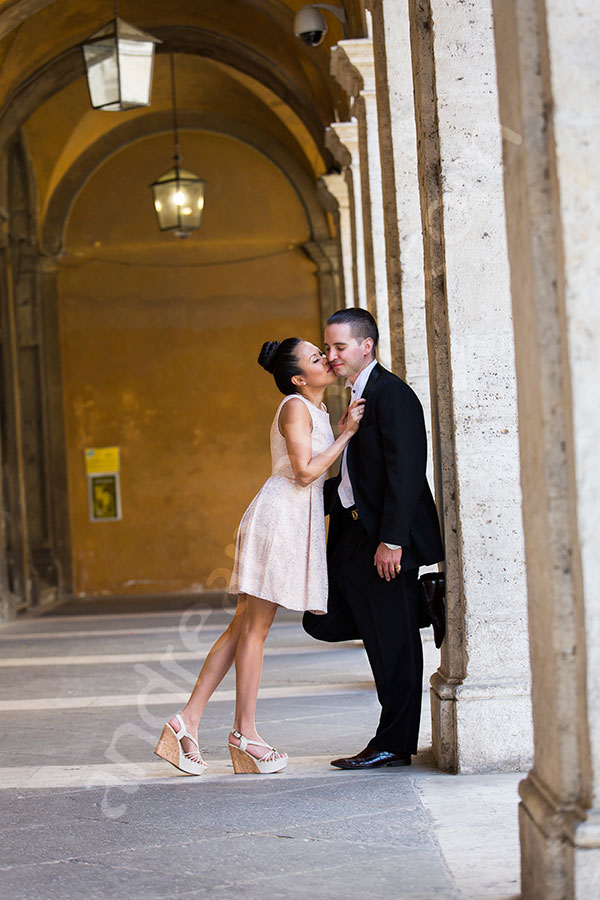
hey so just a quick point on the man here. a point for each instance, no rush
(383, 526)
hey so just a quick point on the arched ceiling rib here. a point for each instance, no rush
(67, 67)
(155, 123)
(14, 12)
(286, 95)
(64, 126)
(261, 34)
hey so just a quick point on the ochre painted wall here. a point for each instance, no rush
(159, 343)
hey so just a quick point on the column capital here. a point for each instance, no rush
(325, 254)
(341, 139)
(353, 66)
(47, 264)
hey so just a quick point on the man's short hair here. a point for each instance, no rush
(362, 324)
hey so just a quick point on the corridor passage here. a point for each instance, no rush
(87, 810)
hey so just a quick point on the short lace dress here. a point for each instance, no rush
(280, 550)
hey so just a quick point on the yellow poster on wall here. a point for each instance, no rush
(101, 460)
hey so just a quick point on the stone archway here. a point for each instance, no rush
(68, 66)
(160, 339)
(160, 123)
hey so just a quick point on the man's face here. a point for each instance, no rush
(347, 356)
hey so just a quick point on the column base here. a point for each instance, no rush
(481, 727)
(8, 606)
(560, 846)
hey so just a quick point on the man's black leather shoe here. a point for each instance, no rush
(369, 758)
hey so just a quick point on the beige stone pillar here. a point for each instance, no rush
(341, 139)
(326, 255)
(352, 66)
(481, 693)
(549, 88)
(401, 199)
(335, 196)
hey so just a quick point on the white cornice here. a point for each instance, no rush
(341, 139)
(353, 66)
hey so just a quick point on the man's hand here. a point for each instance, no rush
(387, 561)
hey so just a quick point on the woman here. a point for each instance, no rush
(280, 556)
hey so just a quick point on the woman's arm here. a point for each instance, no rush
(295, 424)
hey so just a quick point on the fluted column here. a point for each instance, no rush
(353, 67)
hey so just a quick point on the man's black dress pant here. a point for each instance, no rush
(383, 614)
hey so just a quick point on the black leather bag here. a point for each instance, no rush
(432, 604)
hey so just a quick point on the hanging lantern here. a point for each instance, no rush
(178, 194)
(119, 61)
(179, 201)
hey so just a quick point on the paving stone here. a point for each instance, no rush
(312, 831)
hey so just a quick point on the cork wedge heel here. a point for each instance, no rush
(245, 763)
(169, 748)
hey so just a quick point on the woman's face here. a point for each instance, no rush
(316, 371)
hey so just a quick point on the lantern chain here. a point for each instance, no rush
(174, 103)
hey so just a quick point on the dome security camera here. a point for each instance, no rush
(310, 25)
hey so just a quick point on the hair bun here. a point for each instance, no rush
(266, 357)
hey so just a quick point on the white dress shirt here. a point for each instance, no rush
(345, 492)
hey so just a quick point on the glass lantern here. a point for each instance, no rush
(179, 201)
(119, 61)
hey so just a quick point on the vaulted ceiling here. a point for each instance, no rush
(240, 71)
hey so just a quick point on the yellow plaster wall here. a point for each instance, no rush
(159, 357)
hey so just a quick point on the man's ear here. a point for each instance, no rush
(368, 344)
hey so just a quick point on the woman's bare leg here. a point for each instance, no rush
(248, 668)
(216, 666)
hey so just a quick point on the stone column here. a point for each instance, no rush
(549, 87)
(341, 139)
(56, 447)
(326, 255)
(335, 196)
(9, 602)
(352, 66)
(480, 695)
(401, 200)
(327, 258)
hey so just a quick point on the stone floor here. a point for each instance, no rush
(88, 811)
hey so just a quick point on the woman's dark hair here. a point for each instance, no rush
(362, 324)
(281, 360)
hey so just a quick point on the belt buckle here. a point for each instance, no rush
(354, 514)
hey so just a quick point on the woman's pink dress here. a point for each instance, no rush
(280, 551)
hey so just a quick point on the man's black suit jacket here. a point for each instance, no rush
(387, 460)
